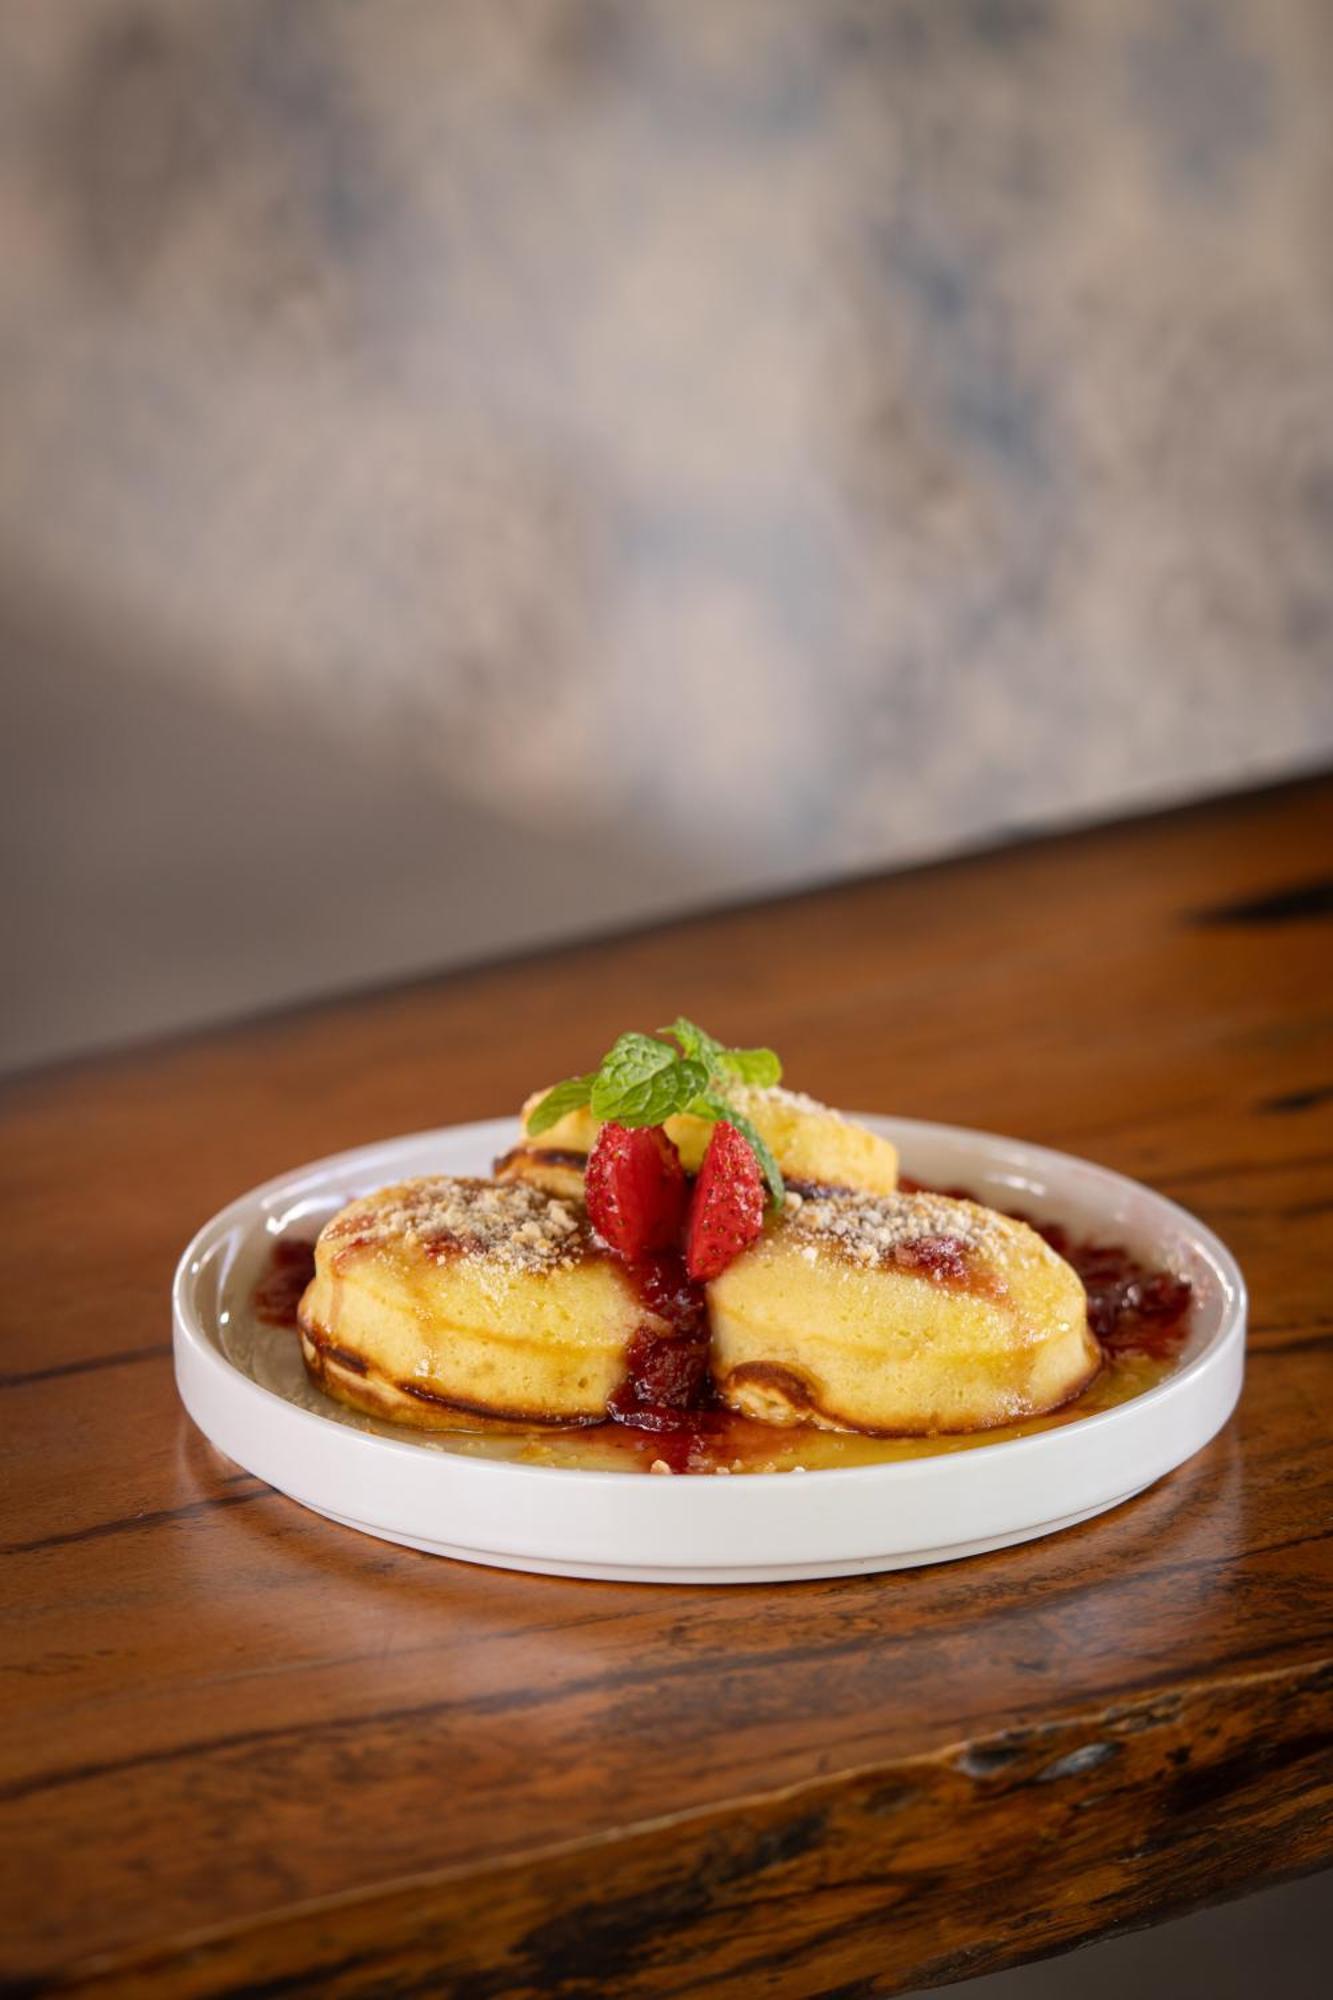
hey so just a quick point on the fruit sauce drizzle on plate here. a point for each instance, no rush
(664, 1418)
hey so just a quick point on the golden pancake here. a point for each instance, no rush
(460, 1304)
(898, 1315)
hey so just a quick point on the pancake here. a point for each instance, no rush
(812, 1144)
(898, 1315)
(460, 1304)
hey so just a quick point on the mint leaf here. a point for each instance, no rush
(718, 1111)
(695, 1043)
(768, 1166)
(759, 1067)
(755, 1066)
(655, 1098)
(571, 1095)
(643, 1082)
(670, 1091)
(629, 1064)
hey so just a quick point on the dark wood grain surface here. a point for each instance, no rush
(245, 1750)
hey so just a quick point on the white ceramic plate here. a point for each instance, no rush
(249, 1395)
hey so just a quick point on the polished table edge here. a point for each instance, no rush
(1205, 1777)
(460, 1929)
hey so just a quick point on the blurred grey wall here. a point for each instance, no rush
(471, 473)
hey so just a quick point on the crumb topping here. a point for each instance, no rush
(777, 1093)
(509, 1222)
(931, 1234)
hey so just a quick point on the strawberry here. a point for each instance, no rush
(728, 1207)
(635, 1190)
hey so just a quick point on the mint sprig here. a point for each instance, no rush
(695, 1042)
(760, 1067)
(644, 1080)
(571, 1095)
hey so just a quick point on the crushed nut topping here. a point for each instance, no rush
(931, 1235)
(749, 1095)
(510, 1222)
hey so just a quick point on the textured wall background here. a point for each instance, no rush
(473, 472)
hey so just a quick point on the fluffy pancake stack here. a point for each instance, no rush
(901, 1315)
(455, 1303)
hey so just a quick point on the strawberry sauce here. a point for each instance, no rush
(1133, 1308)
(667, 1387)
(290, 1267)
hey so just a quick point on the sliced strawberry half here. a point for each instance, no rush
(635, 1190)
(728, 1207)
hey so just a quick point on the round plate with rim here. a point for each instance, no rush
(252, 1400)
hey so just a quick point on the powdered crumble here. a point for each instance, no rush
(749, 1095)
(509, 1222)
(924, 1233)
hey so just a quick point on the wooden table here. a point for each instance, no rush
(247, 1750)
